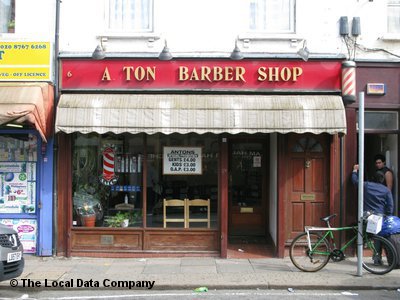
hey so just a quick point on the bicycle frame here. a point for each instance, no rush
(328, 235)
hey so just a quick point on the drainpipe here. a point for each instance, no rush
(341, 185)
(55, 144)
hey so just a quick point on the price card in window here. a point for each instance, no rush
(182, 161)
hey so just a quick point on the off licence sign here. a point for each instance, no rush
(182, 161)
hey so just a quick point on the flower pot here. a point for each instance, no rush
(125, 223)
(88, 220)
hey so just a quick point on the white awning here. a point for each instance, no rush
(27, 102)
(136, 113)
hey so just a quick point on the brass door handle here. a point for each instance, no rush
(307, 163)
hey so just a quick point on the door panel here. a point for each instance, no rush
(298, 174)
(318, 175)
(307, 182)
(247, 188)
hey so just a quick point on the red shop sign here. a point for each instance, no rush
(218, 75)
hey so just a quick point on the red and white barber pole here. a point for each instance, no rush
(108, 177)
(348, 82)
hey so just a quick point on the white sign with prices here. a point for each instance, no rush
(182, 161)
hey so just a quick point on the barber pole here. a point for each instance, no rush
(108, 177)
(349, 82)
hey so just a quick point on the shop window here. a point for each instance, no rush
(7, 16)
(18, 178)
(182, 167)
(130, 15)
(393, 16)
(380, 120)
(272, 16)
(19, 186)
(107, 180)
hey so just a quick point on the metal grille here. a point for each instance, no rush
(7, 240)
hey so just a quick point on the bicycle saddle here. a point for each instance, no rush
(326, 219)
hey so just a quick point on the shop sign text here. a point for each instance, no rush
(209, 74)
(149, 74)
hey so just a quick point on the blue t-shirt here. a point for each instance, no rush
(377, 197)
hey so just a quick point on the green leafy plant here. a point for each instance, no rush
(86, 210)
(118, 219)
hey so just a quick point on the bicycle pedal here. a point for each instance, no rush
(316, 262)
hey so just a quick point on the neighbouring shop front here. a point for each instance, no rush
(379, 82)
(174, 158)
(26, 143)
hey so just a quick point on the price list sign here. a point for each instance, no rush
(182, 161)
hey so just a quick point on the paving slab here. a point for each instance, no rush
(215, 273)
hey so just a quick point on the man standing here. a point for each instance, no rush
(380, 165)
(377, 197)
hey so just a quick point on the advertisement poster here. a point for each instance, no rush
(182, 161)
(27, 231)
(17, 194)
(25, 61)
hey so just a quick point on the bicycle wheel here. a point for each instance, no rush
(306, 260)
(379, 255)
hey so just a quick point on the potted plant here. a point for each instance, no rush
(88, 215)
(123, 219)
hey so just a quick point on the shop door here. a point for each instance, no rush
(307, 182)
(247, 189)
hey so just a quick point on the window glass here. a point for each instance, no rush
(272, 16)
(177, 185)
(380, 120)
(107, 180)
(130, 15)
(7, 16)
(307, 144)
(18, 173)
(393, 12)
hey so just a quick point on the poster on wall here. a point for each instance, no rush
(17, 194)
(27, 232)
(182, 161)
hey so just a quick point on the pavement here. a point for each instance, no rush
(188, 273)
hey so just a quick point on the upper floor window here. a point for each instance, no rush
(130, 15)
(272, 16)
(393, 11)
(7, 16)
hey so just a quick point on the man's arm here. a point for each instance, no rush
(354, 174)
(389, 180)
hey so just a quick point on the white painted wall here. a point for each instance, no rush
(35, 20)
(209, 27)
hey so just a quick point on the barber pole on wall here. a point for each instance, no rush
(348, 82)
(108, 177)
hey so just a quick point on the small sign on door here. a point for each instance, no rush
(257, 161)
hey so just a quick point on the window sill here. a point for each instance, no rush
(150, 36)
(270, 36)
(390, 37)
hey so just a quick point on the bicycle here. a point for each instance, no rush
(310, 251)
